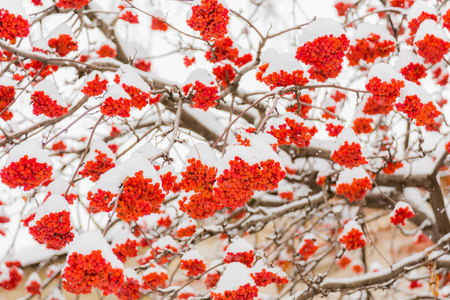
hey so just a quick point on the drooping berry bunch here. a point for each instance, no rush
(362, 125)
(210, 19)
(129, 17)
(72, 4)
(96, 84)
(401, 212)
(204, 96)
(308, 246)
(239, 250)
(222, 50)
(432, 48)
(63, 44)
(353, 184)
(423, 114)
(117, 102)
(106, 51)
(154, 277)
(126, 249)
(193, 262)
(352, 237)
(94, 168)
(349, 155)
(263, 275)
(158, 24)
(384, 93)
(7, 94)
(12, 26)
(369, 49)
(224, 75)
(292, 131)
(52, 229)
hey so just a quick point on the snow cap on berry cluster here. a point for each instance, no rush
(411, 89)
(400, 205)
(384, 72)
(365, 29)
(201, 75)
(166, 242)
(234, 276)
(90, 241)
(193, 254)
(54, 204)
(116, 92)
(187, 223)
(352, 224)
(131, 78)
(406, 57)
(121, 236)
(418, 8)
(100, 146)
(93, 74)
(432, 28)
(320, 27)
(280, 61)
(49, 88)
(348, 175)
(6, 81)
(238, 245)
(204, 153)
(60, 30)
(32, 148)
(348, 135)
(15, 7)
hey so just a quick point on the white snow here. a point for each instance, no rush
(90, 241)
(15, 7)
(133, 79)
(6, 81)
(155, 269)
(229, 281)
(165, 241)
(432, 28)
(201, 75)
(406, 57)
(280, 61)
(116, 92)
(61, 29)
(56, 294)
(192, 254)
(348, 175)
(33, 277)
(54, 204)
(238, 245)
(417, 8)
(32, 148)
(98, 144)
(91, 76)
(365, 29)
(50, 89)
(320, 27)
(385, 72)
(204, 153)
(59, 186)
(187, 223)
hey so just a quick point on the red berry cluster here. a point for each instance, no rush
(106, 51)
(362, 125)
(353, 239)
(12, 26)
(247, 292)
(325, 54)
(37, 2)
(83, 272)
(100, 201)
(194, 267)
(424, 114)
(369, 49)
(401, 3)
(281, 78)
(349, 156)
(441, 80)
(304, 109)
(158, 24)
(413, 72)
(59, 146)
(200, 205)
(356, 190)
(143, 65)
(308, 248)
(11, 280)
(95, 87)
(93, 169)
(264, 278)
(63, 44)
(140, 197)
(293, 133)
(125, 250)
(333, 130)
(222, 50)
(211, 280)
(188, 61)
(342, 8)
(154, 280)
(34, 288)
(383, 92)
(186, 231)
(414, 24)
(7, 94)
(392, 166)
(237, 184)
(129, 17)
(164, 221)
(72, 4)
(116, 107)
(26, 173)
(210, 19)
(224, 75)
(34, 67)
(139, 99)
(204, 96)
(286, 195)
(53, 230)
(43, 104)
(432, 48)
(401, 214)
(338, 96)
(245, 258)
(130, 290)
